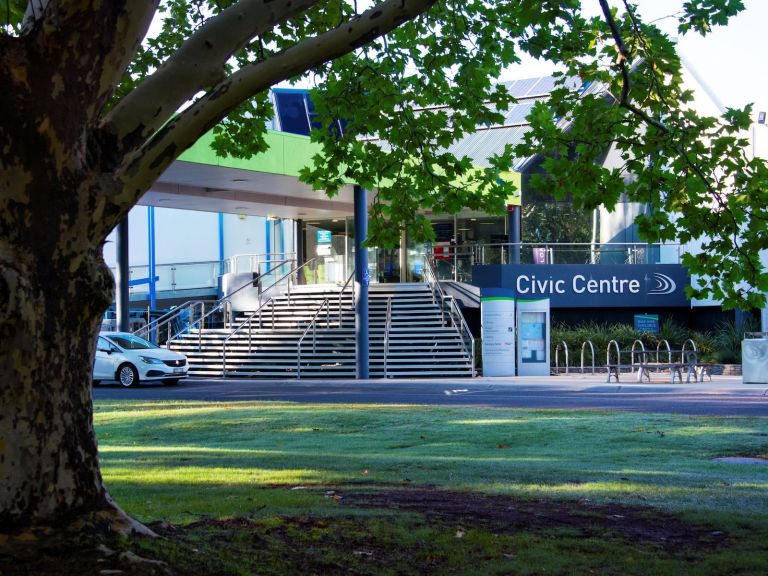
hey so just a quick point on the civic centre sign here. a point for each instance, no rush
(590, 285)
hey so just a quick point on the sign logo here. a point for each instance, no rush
(664, 284)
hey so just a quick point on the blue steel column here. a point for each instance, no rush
(151, 244)
(221, 242)
(362, 280)
(121, 277)
(514, 214)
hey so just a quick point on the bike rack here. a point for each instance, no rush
(583, 349)
(557, 357)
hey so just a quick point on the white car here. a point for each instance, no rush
(129, 359)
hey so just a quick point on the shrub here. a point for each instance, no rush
(625, 335)
(727, 340)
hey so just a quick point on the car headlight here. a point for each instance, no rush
(148, 360)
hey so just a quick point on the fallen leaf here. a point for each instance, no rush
(502, 445)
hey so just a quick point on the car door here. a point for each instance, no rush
(104, 364)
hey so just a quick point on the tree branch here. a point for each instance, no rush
(87, 45)
(148, 162)
(32, 15)
(196, 65)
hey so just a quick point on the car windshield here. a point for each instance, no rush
(131, 342)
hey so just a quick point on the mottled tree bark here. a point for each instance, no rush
(69, 172)
(58, 202)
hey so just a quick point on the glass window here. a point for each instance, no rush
(131, 342)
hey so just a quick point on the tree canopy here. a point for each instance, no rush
(97, 104)
(428, 77)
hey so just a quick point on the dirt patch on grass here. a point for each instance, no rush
(457, 532)
(503, 514)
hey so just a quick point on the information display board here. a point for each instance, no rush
(497, 313)
(533, 338)
(647, 323)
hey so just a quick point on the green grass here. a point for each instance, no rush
(221, 453)
(266, 462)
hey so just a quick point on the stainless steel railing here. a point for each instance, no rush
(312, 326)
(453, 312)
(387, 327)
(181, 311)
(341, 293)
(247, 322)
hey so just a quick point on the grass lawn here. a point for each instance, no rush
(281, 488)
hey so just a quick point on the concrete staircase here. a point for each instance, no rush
(311, 334)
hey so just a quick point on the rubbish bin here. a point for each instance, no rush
(754, 358)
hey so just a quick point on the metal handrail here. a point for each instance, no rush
(167, 317)
(583, 347)
(240, 326)
(461, 326)
(557, 357)
(313, 325)
(387, 326)
(341, 293)
(227, 302)
(275, 267)
(432, 281)
(232, 260)
(594, 252)
(290, 274)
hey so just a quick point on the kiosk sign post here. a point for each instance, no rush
(533, 338)
(497, 309)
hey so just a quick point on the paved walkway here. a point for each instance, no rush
(724, 395)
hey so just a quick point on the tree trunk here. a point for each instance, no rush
(52, 307)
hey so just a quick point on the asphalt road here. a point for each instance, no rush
(720, 397)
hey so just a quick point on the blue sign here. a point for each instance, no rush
(647, 323)
(324, 236)
(591, 285)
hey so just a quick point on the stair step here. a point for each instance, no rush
(267, 345)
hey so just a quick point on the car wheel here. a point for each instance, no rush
(171, 381)
(127, 375)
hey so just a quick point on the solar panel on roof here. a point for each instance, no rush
(524, 86)
(544, 85)
(292, 112)
(518, 113)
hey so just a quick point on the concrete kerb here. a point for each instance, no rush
(586, 383)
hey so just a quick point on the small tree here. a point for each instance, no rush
(93, 113)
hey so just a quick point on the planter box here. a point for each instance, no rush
(726, 369)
